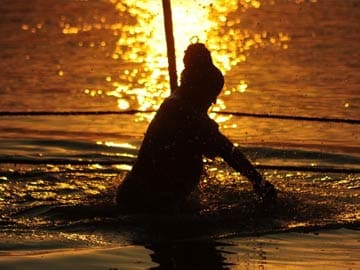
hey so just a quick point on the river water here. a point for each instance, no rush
(59, 172)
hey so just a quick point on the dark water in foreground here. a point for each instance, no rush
(58, 173)
(56, 200)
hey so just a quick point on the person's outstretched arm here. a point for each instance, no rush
(238, 161)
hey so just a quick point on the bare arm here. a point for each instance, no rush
(237, 160)
(216, 144)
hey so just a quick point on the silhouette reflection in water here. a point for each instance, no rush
(170, 159)
(188, 255)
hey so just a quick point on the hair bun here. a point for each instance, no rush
(197, 56)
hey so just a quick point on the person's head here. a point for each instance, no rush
(197, 55)
(201, 81)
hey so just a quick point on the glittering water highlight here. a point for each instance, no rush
(58, 174)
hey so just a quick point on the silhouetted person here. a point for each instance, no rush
(170, 160)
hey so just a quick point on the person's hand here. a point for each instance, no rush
(266, 191)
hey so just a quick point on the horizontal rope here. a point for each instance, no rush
(115, 162)
(297, 118)
(240, 114)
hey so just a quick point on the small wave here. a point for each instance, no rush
(61, 152)
(245, 218)
(71, 187)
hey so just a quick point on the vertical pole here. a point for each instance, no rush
(170, 43)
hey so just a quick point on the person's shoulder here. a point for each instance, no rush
(169, 110)
(211, 123)
(172, 103)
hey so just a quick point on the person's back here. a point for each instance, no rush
(169, 163)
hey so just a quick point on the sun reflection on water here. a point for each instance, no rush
(145, 43)
(140, 46)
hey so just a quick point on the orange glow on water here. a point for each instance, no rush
(114, 144)
(141, 46)
(144, 43)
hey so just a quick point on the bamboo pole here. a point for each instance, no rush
(170, 45)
